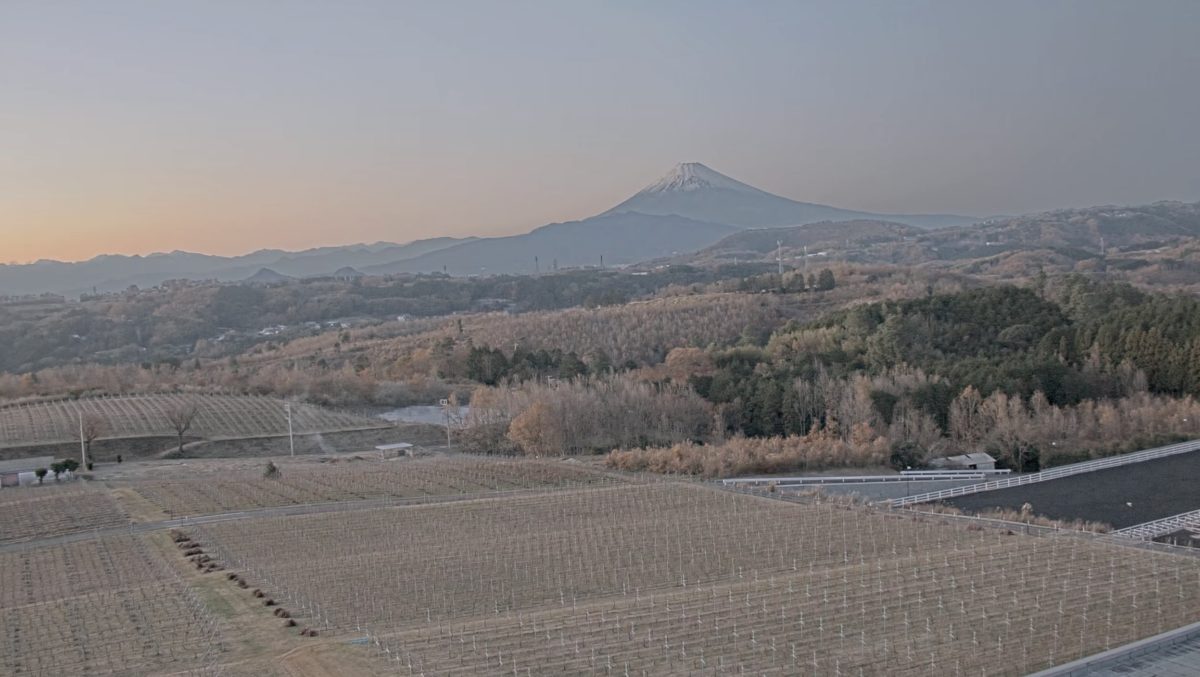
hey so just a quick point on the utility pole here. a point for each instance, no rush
(537, 268)
(779, 258)
(82, 443)
(291, 439)
(446, 408)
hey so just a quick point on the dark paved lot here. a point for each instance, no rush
(1122, 496)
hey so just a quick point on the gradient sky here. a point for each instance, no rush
(227, 126)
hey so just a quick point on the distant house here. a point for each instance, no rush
(20, 471)
(972, 461)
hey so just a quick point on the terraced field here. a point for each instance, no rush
(218, 417)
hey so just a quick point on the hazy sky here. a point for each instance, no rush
(227, 126)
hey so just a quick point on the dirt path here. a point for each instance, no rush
(256, 642)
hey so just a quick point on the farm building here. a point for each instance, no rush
(394, 450)
(21, 471)
(972, 461)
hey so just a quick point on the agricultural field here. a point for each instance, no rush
(223, 489)
(217, 417)
(51, 510)
(678, 578)
(103, 606)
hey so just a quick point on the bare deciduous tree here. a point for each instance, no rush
(181, 416)
(92, 426)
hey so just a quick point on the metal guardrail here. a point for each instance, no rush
(1055, 473)
(1148, 531)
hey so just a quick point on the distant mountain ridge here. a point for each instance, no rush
(688, 209)
(1088, 233)
(609, 239)
(114, 272)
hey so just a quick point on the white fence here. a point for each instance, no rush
(783, 482)
(1055, 473)
(1148, 531)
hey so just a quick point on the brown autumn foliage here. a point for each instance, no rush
(581, 416)
(818, 450)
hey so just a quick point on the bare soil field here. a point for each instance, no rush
(1122, 496)
(674, 578)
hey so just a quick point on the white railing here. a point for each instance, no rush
(1148, 531)
(1052, 474)
(853, 479)
(988, 473)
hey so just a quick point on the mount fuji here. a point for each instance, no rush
(695, 191)
(689, 208)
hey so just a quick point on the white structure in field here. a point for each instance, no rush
(20, 472)
(972, 461)
(394, 450)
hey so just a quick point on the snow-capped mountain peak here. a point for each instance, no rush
(689, 176)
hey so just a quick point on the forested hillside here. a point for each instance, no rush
(186, 320)
(847, 365)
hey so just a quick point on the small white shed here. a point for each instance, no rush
(974, 461)
(394, 450)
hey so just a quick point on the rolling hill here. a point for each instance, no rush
(620, 238)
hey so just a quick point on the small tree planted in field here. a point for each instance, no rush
(58, 469)
(91, 427)
(41, 474)
(271, 472)
(181, 416)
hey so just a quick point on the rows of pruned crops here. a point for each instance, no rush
(308, 483)
(42, 511)
(104, 606)
(218, 416)
(683, 579)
